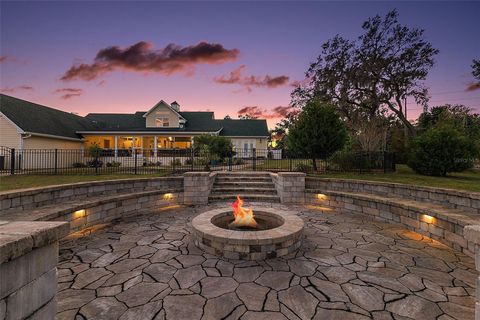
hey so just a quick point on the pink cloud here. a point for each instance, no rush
(141, 57)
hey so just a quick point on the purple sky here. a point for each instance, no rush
(250, 55)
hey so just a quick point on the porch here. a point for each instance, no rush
(148, 146)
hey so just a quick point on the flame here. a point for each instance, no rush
(243, 216)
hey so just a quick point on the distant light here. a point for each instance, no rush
(168, 196)
(321, 196)
(426, 218)
(79, 214)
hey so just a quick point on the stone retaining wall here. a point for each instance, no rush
(28, 269)
(472, 233)
(197, 187)
(462, 200)
(290, 186)
(27, 199)
(125, 205)
(446, 229)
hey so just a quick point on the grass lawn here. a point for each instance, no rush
(30, 181)
(467, 180)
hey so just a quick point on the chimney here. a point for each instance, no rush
(175, 106)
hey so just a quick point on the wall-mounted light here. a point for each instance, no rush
(79, 214)
(168, 196)
(426, 218)
(170, 139)
(321, 196)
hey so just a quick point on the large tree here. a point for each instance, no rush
(317, 133)
(379, 71)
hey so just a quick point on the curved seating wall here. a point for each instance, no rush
(437, 213)
(90, 203)
(462, 200)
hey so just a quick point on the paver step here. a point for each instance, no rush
(260, 184)
(244, 196)
(242, 178)
(244, 173)
(259, 190)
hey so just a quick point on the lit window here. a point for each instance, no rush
(162, 122)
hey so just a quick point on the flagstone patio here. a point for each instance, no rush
(349, 267)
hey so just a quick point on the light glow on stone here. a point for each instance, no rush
(79, 214)
(426, 218)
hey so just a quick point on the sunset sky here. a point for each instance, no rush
(220, 56)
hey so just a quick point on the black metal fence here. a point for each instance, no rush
(149, 161)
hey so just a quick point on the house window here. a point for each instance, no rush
(162, 122)
(106, 144)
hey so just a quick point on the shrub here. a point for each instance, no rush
(303, 167)
(216, 146)
(114, 164)
(441, 150)
(79, 165)
(348, 161)
(238, 161)
(95, 163)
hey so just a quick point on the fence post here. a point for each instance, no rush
(56, 161)
(135, 161)
(12, 161)
(192, 156)
(174, 159)
(95, 162)
(254, 154)
(289, 162)
(230, 161)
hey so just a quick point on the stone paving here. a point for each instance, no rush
(349, 267)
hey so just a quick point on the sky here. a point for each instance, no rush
(122, 57)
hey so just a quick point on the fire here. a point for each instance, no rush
(243, 216)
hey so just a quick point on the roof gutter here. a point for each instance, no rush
(30, 134)
(171, 133)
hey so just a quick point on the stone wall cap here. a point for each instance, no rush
(197, 173)
(20, 237)
(300, 174)
(461, 193)
(32, 191)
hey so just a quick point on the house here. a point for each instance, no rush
(27, 125)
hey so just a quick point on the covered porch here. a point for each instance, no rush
(127, 145)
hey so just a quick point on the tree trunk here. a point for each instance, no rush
(314, 164)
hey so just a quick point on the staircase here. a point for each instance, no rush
(251, 186)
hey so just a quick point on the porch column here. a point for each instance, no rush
(141, 144)
(116, 147)
(155, 145)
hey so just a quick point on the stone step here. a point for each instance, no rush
(238, 190)
(244, 196)
(244, 184)
(244, 173)
(243, 178)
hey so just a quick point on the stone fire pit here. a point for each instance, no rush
(279, 233)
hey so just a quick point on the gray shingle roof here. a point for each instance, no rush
(197, 121)
(35, 118)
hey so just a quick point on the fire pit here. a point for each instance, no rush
(267, 233)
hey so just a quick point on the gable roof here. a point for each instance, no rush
(161, 102)
(196, 121)
(36, 118)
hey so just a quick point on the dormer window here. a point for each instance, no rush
(162, 122)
